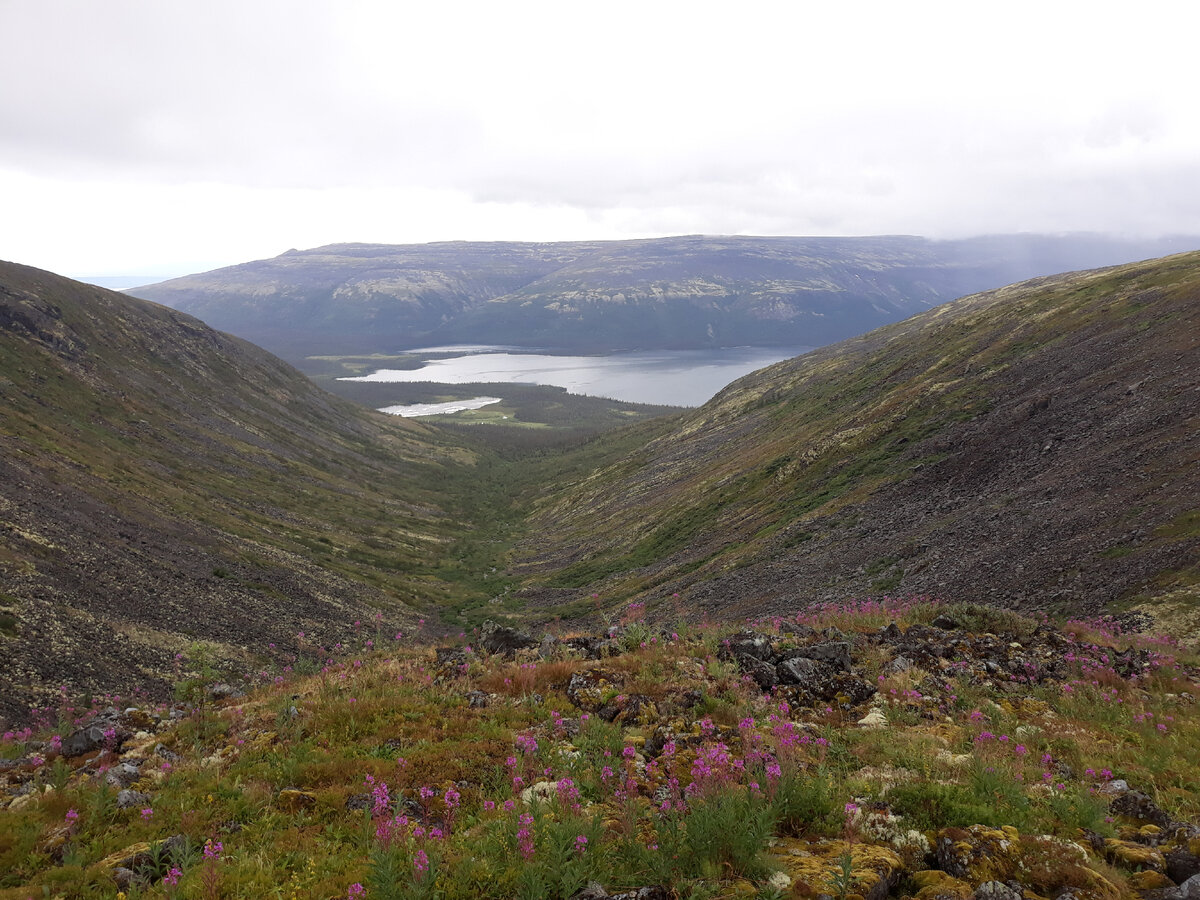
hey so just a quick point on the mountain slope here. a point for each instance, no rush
(161, 481)
(692, 291)
(1037, 444)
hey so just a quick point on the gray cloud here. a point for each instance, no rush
(531, 119)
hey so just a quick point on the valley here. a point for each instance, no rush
(899, 616)
(1032, 446)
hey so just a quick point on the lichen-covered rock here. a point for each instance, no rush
(934, 884)
(977, 854)
(593, 688)
(1139, 807)
(1133, 855)
(629, 709)
(874, 870)
(996, 890)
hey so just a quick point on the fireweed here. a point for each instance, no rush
(627, 807)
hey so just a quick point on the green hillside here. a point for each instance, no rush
(1037, 445)
(162, 482)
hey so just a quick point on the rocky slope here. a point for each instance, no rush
(1036, 445)
(603, 295)
(162, 482)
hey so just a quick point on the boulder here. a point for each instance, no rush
(836, 653)
(132, 799)
(762, 672)
(223, 691)
(589, 690)
(747, 643)
(498, 638)
(1182, 865)
(1140, 808)
(122, 776)
(796, 669)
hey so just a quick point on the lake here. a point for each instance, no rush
(673, 377)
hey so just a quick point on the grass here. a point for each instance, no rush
(374, 770)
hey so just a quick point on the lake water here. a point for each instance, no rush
(675, 377)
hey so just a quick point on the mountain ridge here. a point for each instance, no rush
(655, 293)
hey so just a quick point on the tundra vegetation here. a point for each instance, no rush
(899, 747)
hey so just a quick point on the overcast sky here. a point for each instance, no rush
(170, 136)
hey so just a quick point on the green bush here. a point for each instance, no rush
(805, 804)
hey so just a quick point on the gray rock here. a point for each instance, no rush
(996, 890)
(797, 670)
(748, 643)
(128, 799)
(223, 691)
(594, 891)
(1190, 889)
(836, 653)
(122, 776)
(83, 740)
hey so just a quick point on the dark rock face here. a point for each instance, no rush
(503, 639)
(1182, 865)
(836, 653)
(762, 672)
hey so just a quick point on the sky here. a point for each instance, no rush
(161, 137)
